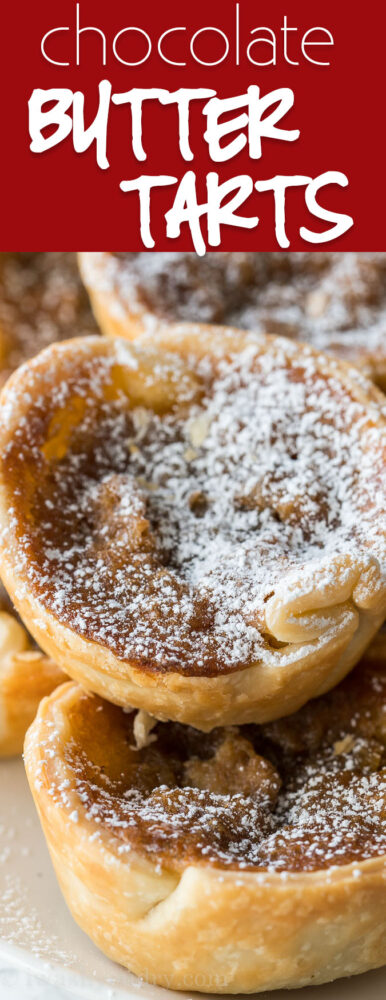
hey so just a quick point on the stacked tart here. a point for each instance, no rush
(194, 529)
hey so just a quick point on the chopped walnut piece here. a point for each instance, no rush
(142, 729)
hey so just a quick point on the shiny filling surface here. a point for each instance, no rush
(301, 794)
(158, 503)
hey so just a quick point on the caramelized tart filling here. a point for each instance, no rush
(304, 793)
(41, 300)
(158, 504)
(334, 301)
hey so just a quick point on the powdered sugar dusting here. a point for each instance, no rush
(163, 534)
(21, 922)
(334, 301)
(301, 794)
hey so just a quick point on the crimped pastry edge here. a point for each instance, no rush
(207, 929)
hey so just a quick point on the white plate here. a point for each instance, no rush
(38, 934)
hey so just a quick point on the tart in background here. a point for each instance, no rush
(336, 302)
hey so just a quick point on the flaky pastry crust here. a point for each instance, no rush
(26, 676)
(191, 923)
(206, 653)
(334, 301)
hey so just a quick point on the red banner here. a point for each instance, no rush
(208, 126)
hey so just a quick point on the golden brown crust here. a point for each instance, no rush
(199, 926)
(320, 622)
(334, 301)
(26, 676)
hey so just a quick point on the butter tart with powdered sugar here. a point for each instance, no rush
(195, 526)
(248, 859)
(334, 301)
